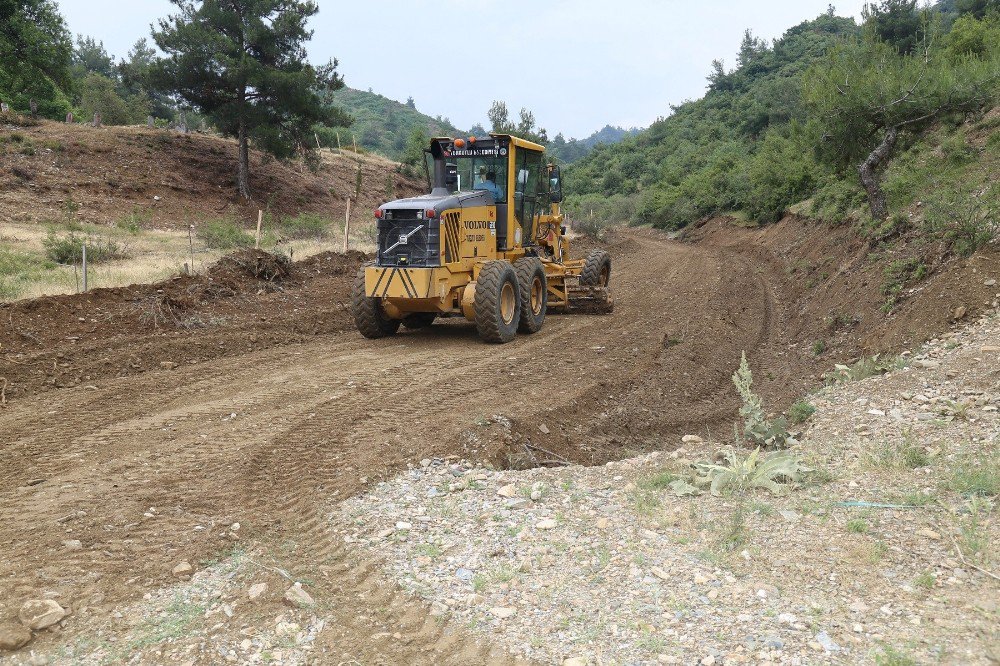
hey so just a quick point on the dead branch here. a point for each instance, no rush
(546, 451)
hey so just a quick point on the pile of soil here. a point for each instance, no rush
(248, 300)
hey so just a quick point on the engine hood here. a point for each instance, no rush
(441, 201)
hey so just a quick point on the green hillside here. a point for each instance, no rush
(568, 151)
(383, 125)
(790, 125)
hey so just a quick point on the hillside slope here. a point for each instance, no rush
(765, 137)
(169, 180)
(383, 125)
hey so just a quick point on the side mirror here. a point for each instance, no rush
(555, 185)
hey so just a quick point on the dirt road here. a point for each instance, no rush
(152, 469)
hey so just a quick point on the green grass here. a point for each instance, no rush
(818, 347)
(20, 268)
(176, 620)
(658, 481)
(800, 412)
(224, 234)
(900, 454)
(870, 366)
(976, 475)
(304, 225)
(890, 656)
(925, 580)
(857, 526)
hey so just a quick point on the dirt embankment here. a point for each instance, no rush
(277, 408)
(167, 180)
(248, 301)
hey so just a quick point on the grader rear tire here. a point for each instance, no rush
(534, 294)
(369, 317)
(497, 302)
(596, 269)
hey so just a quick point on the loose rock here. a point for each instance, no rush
(38, 614)
(13, 636)
(296, 596)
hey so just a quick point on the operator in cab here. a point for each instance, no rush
(490, 185)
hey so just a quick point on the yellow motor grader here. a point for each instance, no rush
(487, 243)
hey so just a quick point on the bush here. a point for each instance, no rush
(800, 412)
(224, 235)
(966, 218)
(68, 249)
(305, 225)
(836, 199)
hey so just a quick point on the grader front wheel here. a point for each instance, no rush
(596, 269)
(497, 302)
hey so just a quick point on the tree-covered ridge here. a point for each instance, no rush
(810, 117)
(383, 125)
(694, 162)
(565, 151)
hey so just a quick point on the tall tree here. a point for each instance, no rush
(90, 57)
(134, 74)
(35, 53)
(501, 123)
(895, 22)
(866, 95)
(243, 64)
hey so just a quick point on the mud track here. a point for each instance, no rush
(270, 438)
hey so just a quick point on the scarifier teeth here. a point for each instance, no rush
(590, 300)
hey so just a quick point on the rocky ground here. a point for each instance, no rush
(885, 553)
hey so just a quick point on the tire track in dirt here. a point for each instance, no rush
(318, 421)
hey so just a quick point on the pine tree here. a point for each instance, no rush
(243, 64)
(35, 52)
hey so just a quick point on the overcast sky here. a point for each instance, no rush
(578, 64)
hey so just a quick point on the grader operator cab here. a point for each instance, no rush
(487, 243)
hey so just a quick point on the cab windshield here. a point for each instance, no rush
(487, 173)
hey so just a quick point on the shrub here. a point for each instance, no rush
(68, 249)
(800, 411)
(305, 225)
(836, 199)
(966, 217)
(224, 235)
(863, 369)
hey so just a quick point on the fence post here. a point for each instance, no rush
(347, 226)
(191, 245)
(260, 220)
(84, 266)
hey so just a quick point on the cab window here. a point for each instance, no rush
(531, 188)
(483, 173)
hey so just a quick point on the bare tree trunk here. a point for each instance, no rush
(243, 177)
(871, 176)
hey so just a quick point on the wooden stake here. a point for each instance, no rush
(260, 220)
(85, 267)
(191, 245)
(347, 226)
(318, 147)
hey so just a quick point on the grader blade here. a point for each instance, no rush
(589, 300)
